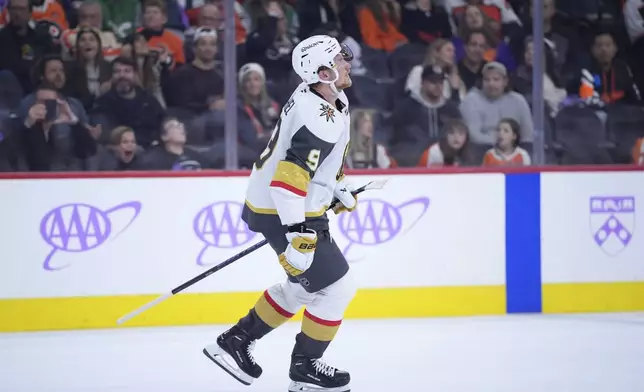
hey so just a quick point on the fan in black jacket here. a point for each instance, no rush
(422, 23)
(270, 45)
(128, 104)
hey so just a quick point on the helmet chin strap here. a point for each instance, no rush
(331, 83)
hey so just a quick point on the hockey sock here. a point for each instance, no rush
(316, 336)
(264, 317)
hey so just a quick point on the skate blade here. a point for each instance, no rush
(306, 387)
(227, 363)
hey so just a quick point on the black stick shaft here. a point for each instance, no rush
(219, 266)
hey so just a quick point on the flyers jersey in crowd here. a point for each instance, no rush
(638, 152)
(296, 175)
(109, 43)
(494, 157)
(434, 156)
(50, 10)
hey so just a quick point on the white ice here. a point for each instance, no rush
(540, 353)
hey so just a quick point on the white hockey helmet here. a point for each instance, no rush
(316, 52)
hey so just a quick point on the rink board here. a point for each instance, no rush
(82, 252)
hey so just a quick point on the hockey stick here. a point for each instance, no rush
(370, 185)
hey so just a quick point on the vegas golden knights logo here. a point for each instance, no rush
(328, 112)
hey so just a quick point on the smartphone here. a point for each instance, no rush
(154, 55)
(51, 105)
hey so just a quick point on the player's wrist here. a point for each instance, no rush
(299, 228)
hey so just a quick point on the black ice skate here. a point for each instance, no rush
(311, 374)
(233, 353)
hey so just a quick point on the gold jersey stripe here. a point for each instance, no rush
(290, 176)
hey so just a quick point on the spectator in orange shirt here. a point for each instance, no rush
(217, 21)
(507, 152)
(211, 15)
(159, 38)
(638, 152)
(451, 150)
(49, 10)
(379, 20)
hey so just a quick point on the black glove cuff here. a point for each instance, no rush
(297, 228)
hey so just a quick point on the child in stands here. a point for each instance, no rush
(452, 148)
(507, 152)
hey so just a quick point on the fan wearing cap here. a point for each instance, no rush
(259, 112)
(292, 183)
(484, 108)
(419, 118)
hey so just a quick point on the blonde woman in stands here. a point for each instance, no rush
(451, 150)
(507, 152)
(441, 53)
(638, 152)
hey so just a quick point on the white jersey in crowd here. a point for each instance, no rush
(634, 18)
(298, 172)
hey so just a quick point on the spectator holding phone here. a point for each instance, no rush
(271, 44)
(44, 147)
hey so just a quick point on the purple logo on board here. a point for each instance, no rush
(612, 222)
(376, 221)
(219, 225)
(79, 227)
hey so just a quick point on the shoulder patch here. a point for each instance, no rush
(328, 112)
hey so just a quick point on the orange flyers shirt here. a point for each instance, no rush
(50, 10)
(519, 157)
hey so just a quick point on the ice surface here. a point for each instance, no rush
(540, 353)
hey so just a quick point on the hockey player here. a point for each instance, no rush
(291, 185)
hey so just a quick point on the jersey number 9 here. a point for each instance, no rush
(268, 151)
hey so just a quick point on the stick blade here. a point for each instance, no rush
(376, 184)
(143, 308)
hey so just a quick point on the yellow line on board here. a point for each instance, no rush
(593, 297)
(41, 314)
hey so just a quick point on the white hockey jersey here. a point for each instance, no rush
(296, 176)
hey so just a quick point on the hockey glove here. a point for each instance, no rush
(348, 202)
(300, 251)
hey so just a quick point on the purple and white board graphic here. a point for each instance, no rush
(219, 225)
(376, 221)
(81, 227)
(612, 222)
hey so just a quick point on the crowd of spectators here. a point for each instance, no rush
(139, 85)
